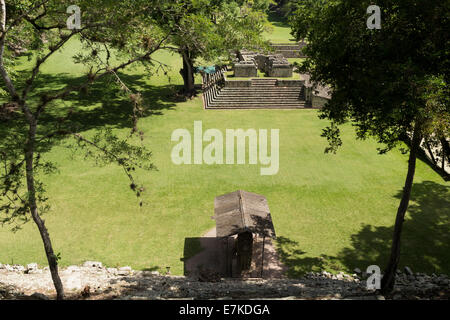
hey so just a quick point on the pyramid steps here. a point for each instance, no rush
(262, 94)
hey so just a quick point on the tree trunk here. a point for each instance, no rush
(446, 149)
(188, 73)
(388, 281)
(52, 259)
(430, 151)
(3, 73)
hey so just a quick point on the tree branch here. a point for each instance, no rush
(65, 92)
(5, 76)
(24, 14)
(40, 61)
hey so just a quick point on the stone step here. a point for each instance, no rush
(259, 102)
(275, 95)
(254, 106)
(297, 106)
(263, 83)
(236, 104)
(281, 100)
(263, 94)
(262, 91)
(259, 87)
(250, 99)
(273, 104)
(259, 91)
(256, 95)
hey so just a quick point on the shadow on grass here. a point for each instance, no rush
(101, 105)
(293, 257)
(152, 269)
(425, 243)
(279, 21)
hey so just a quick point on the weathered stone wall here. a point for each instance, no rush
(318, 102)
(288, 54)
(273, 65)
(290, 50)
(245, 70)
(261, 61)
(94, 281)
(248, 83)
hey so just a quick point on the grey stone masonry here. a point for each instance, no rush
(94, 281)
(245, 69)
(290, 50)
(279, 67)
(273, 65)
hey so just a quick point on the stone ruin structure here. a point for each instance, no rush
(247, 64)
(290, 50)
(245, 69)
(274, 65)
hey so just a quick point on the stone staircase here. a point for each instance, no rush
(261, 94)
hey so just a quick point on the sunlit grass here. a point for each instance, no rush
(321, 204)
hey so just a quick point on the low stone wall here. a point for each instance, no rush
(291, 54)
(245, 70)
(273, 65)
(280, 71)
(289, 50)
(318, 102)
(92, 280)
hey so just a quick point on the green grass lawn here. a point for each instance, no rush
(281, 31)
(332, 212)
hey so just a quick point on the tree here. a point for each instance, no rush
(437, 132)
(40, 28)
(383, 81)
(210, 30)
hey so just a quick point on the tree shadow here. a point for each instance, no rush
(296, 261)
(101, 105)
(278, 20)
(425, 245)
(425, 240)
(144, 286)
(9, 292)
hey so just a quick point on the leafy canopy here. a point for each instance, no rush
(382, 80)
